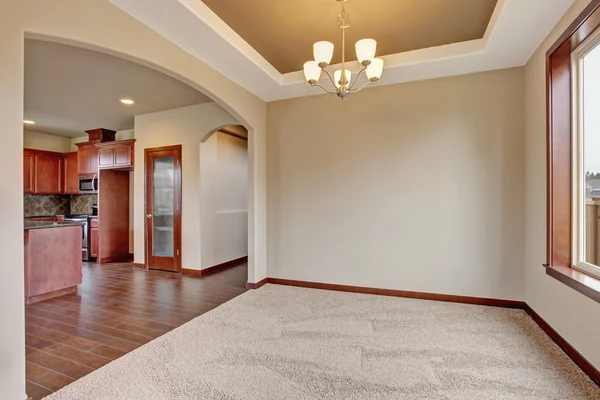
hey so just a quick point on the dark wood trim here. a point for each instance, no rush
(569, 350)
(257, 285)
(585, 284)
(576, 32)
(222, 266)
(138, 265)
(194, 273)
(177, 149)
(50, 295)
(559, 135)
(401, 293)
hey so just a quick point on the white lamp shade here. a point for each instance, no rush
(338, 75)
(365, 50)
(375, 69)
(312, 71)
(323, 52)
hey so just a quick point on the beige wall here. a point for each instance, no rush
(415, 186)
(186, 126)
(44, 141)
(574, 316)
(223, 199)
(12, 312)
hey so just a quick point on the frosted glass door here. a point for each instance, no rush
(164, 207)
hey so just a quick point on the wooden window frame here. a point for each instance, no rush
(559, 73)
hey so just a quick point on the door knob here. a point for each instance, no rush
(149, 216)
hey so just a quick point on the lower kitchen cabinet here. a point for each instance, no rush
(94, 238)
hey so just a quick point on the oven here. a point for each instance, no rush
(85, 241)
(88, 184)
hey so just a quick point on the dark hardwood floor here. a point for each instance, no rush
(117, 309)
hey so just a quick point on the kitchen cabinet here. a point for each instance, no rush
(70, 173)
(116, 155)
(94, 238)
(47, 173)
(28, 172)
(87, 158)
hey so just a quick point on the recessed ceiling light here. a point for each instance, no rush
(127, 101)
(28, 122)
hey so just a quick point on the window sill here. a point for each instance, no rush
(579, 281)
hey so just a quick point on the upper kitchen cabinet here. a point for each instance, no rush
(116, 155)
(88, 155)
(42, 172)
(28, 172)
(87, 158)
(70, 173)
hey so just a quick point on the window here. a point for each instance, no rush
(573, 158)
(586, 156)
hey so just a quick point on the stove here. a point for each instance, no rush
(85, 241)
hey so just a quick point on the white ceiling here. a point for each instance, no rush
(516, 30)
(69, 90)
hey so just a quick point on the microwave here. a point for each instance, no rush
(88, 183)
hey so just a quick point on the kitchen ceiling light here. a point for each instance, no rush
(342, 82)
(28, 122)
(127, 101)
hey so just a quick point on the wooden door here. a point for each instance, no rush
(163, 208)
(47, 173)
(70, 174)
(28, 172)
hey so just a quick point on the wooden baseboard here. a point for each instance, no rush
(251, 286)
(50, 295)
(138, 265)
(569, 350)
(116, 259)
(401, 293)
(214, 269)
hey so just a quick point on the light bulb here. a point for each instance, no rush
(375, 69)
(338, 75)
(312, 72)
(365, 50)
(323, 52)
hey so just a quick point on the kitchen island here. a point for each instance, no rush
(52, 259)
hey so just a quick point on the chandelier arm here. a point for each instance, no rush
(330, 77)
(323, 87)
(362, 87)
(356, 77)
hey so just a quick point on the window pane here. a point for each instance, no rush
(591, 155)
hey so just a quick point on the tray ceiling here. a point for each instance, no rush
(283, 32)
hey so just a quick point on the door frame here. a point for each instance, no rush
(178, 193)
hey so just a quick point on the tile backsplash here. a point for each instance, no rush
(82, 203)
(42, 205)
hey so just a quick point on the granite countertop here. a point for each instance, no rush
(50, 224)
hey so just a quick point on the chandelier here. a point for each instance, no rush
(342, 81)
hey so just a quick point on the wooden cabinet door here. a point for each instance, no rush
(28, 172)
(106, 157)
(70, 173)
(87, 157)
(47, 173)
(123, 155)
(94, 242)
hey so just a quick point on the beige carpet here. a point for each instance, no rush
(290, 343)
